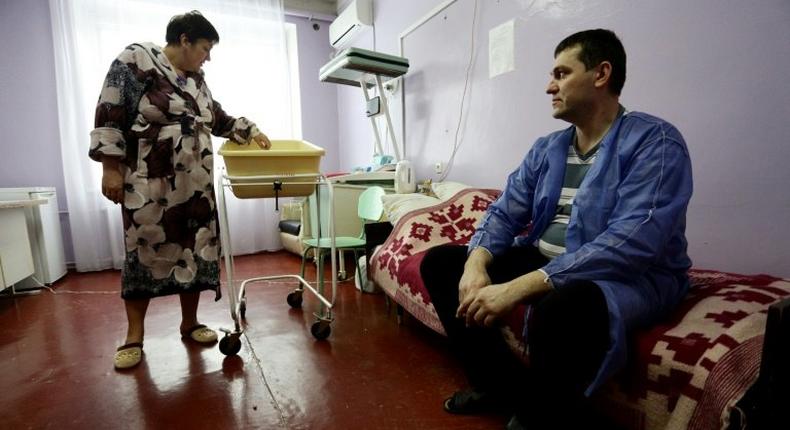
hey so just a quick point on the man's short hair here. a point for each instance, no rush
(192, 24)
(597, 46)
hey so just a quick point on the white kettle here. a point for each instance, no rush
(404, 178)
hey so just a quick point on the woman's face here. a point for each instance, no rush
(195, 54)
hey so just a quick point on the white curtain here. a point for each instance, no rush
(249, 73)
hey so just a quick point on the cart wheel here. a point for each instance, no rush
(341, 275)
(243, 308)
(230, 344)
(294, 299)
(320, 330)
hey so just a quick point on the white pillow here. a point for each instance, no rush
(447, 189)
(398, 205)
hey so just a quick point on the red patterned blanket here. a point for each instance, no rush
(687, 372)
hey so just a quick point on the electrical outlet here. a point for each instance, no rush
(438, 168)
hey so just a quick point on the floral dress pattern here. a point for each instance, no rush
(158, 125)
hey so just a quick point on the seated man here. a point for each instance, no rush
(604, 202)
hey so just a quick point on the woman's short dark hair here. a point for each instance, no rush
(192, 24)
(597, 46)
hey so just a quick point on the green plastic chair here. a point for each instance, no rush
(369, 208)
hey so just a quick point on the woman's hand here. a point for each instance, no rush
(112, 180)
(262, 141)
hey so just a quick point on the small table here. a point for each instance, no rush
(16, 258)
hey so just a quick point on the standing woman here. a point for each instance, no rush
(153, 120)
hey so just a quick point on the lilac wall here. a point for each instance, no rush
(711, 67)
(29, 148)
(29, 125)
(318, 99)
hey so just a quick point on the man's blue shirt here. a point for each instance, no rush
(627, 226)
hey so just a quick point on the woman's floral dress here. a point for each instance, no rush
(158, 124)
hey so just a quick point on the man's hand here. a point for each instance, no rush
(475, 277)
(112, 180)
(262, 140)
(491, 303)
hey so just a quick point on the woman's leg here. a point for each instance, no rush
(189, 306)
(135, 316)
(190, 327)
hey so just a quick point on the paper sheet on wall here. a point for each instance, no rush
(501, 42)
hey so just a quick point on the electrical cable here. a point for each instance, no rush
(456, 142)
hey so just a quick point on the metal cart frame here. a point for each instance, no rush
(230, 344)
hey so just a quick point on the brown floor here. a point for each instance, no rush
(371, 373)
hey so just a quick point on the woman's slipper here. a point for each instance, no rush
(465, 402)
(200, 334)
(128, 355)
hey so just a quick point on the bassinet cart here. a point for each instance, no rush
(290, 168)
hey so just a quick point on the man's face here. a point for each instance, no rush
(571, 86)
(195, 54)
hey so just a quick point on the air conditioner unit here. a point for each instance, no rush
(352, 21)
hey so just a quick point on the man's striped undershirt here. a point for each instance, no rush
(552, 242)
